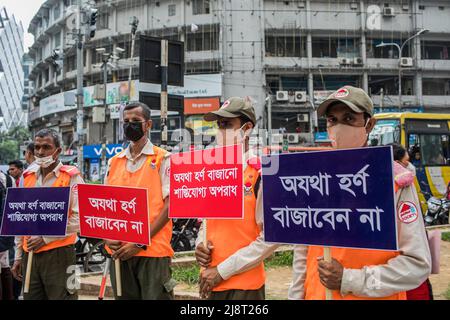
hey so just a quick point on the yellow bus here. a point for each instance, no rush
(426, 137)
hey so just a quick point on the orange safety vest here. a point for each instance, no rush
(65, 174)
(228, 236)
(350, 259)
(146, 177)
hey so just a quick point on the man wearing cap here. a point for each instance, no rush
(233, 259)
(358, 273)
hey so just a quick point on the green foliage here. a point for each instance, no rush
(280, 259)
(10, 143)
(446, 236)
(187, 274)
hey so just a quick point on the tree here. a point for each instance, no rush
(10, 143)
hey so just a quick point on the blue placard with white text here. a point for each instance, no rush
(337, 198)
(36, 212)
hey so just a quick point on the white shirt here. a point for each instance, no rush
(134, 164)
(404, 272)
(252, 255)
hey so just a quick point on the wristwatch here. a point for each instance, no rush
(141, 246)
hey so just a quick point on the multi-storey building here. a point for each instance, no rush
(11, 73)
(287, 55)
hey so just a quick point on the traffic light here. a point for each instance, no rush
(93, 22)
(134, 22)
(57, 59)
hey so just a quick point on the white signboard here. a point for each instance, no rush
(53, 104)
(321, 95)
(195, 86)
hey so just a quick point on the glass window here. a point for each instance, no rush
(348, 48)
(324, 48)
(57, 40)
(436, 87)
(172, 10)
(386, 131)
(204, 39)
(285, 46)
(102, 21)
(429, 149)
(386, 52)
(435, 50)
(200, 7)
(56, 12)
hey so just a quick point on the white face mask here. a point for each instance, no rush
(343, 136)
(45, 162)
(236, 136)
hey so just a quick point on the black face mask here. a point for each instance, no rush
(133, 130)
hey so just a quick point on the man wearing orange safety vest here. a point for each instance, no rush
(145, 271)
(356, 273)
(233, 257)
(54, 257)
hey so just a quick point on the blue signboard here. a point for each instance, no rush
(95, 151)
(36, 212)
(338, 198)
(321, 137)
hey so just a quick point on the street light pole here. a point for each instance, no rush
(400, 51)
(80, 116)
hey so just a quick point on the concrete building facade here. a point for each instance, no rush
(11, 73)
(288, 55)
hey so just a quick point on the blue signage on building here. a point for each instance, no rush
(95, 151)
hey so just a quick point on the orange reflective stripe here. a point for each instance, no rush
(350, 259)
(146, 177)
(62, 181)
(228, 236)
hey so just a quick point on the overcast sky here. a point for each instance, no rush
(23, 10)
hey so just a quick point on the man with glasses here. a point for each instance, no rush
(145, 271)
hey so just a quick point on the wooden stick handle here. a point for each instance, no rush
(26, 288)
(118, 277)
(327, 258)
(205, 238)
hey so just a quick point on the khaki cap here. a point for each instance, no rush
(355, 98)
(232, 108)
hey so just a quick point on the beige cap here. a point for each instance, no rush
(355, 98)
(232, 108)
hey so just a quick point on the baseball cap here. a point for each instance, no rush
(232, 108)
(355, 98)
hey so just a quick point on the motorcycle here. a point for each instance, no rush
(184, 234)
(90, 254)
(437, 212)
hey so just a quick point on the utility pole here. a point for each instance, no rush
(105, 82)
(80, 115)
(164, 80)
(134, 22)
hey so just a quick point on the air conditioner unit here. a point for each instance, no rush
(293, 138)
(388, 12)
(282, 96)
(345, 61)
(300, 96)
(302, 117)
(277, 138)
(357, 61)
(406, 62)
